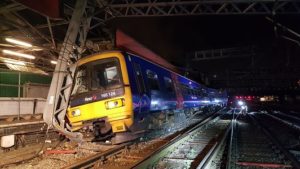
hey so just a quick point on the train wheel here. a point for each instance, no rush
(102, 131)
(170, 119)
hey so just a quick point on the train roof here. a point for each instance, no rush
(182, 78)
(127, 43)
(185, 79)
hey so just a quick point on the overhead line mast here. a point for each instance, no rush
(62, 81)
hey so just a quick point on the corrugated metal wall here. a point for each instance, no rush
(9, 81)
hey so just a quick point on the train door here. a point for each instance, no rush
(141, 112)
(179, 96)
(143, 98)
(139, 78)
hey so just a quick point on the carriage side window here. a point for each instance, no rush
(190, 92)
(196, 92)
(184, 89)
(204, 94)
(199, 93)
(168, 84)
(193, 92)
(152, 80)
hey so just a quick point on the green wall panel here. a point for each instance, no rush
(12, 78)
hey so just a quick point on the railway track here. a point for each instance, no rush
(290, 120)
(33, 147)
(257, 141)
(139, 154)
(285, 132)
(293, 113)
(27, 133)
(191, 149)
(253, 146)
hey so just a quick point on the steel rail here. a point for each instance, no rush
(287, 115)
(293, 159)
(207, 160)
(233, 129)
(93, 159)
(291, 124)
(163, 150)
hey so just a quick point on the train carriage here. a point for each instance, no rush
(121, 94)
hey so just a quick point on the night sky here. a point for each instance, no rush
(173, 37)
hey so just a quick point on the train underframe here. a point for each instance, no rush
(100, 130)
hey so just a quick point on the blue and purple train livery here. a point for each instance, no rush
(118, 92)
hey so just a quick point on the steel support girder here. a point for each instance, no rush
(127, 8)
(62, 80)
(223, 53)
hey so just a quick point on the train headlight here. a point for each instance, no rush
(76, 112)
(114, 103)
(240, 103)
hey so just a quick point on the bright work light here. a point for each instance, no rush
(14, 62)
(9, 52)
(18, 42)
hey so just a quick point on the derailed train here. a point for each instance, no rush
(119, 95)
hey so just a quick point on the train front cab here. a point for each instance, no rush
(102, 96)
